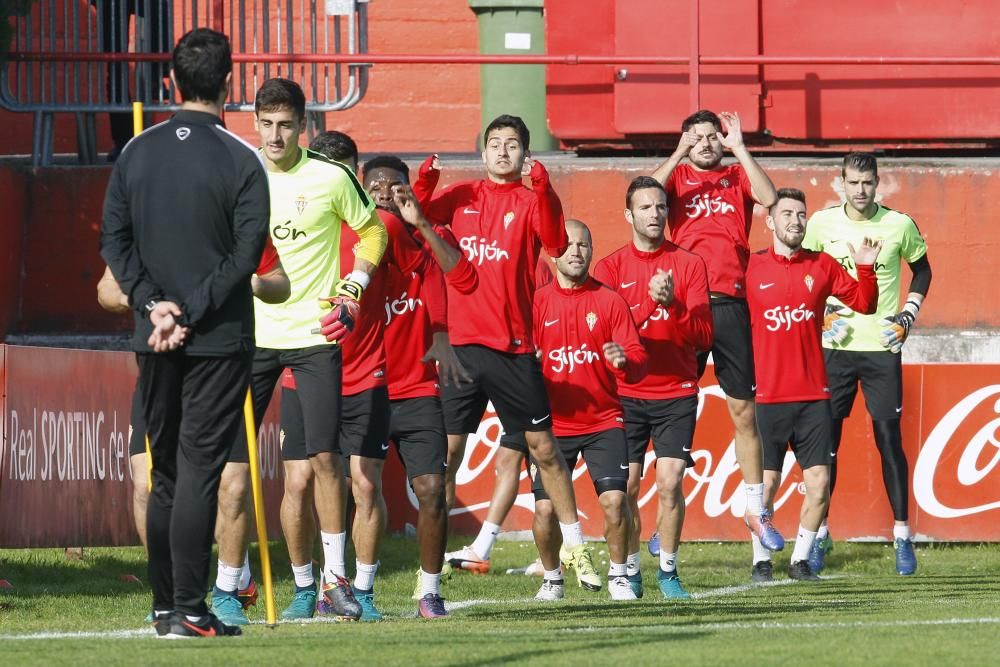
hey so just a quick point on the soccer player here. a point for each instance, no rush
(502, 226)
(666, 288)
(508, 460)
(184, 226)
(866, 348)
(310, 198)
(787, 292)
(711, 210)
(587, 342)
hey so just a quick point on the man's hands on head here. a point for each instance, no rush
(409, 207)
(733, 137)
(687, 141)
(167, 334)
(661, 287)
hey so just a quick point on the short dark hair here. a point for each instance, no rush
(641, 183)
(385, 162)
(201, 61)
(860, 162)
(702, 116)
(335, 146)
(514, 122)
(278, 94)
(787, 193)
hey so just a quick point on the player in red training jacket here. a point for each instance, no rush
(502, 226)
(587, 343)
(787, 289)
(666, 287)
(711, 210)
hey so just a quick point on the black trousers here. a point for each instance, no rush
(194, 412)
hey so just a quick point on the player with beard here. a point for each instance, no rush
(711, 210)
(587, 342)
(666, 288)
(788, 289)
(866, 348)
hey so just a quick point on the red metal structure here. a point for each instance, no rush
(803, 74)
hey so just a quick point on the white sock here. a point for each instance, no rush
(803, 543)
(553, 575)
(632, 564)
(572, 534)
(760, 552)
(901, 532)
(245, 572)
(228, 578)
(755, 498)
(668, 562)
(617, 570)
(303, 576)
(333, 555)
(429, 583)
(823, 531)
(365, 577)
(483, 546)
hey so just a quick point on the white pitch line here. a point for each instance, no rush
(730, 590)
(778, 625)
(109, 634)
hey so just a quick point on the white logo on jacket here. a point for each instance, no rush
(785, 316)
(478, 251)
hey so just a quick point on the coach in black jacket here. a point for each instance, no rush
(185, 222)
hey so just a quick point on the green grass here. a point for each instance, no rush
(862, 614)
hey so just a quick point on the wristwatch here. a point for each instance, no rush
(150, 306)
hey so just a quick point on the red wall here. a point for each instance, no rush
(407, 107)
(55, 214)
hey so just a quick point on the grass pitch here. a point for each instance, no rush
(862, 613)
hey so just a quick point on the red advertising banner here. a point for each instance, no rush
(65, 480)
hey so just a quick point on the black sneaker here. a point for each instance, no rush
(800, 571)
(762, 572)
(161, 621)
(340, 600)
(206, 626)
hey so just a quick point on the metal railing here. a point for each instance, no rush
(100, 56)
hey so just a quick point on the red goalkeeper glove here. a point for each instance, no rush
(344, 310)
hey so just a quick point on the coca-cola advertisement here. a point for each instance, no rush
(65, 478)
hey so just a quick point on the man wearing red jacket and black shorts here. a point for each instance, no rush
(502, 226)
(587, 342)
(711, 210)
(788, 289)
(666, 288)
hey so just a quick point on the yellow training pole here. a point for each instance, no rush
(258, 507)
(149, 466)
(136, 118)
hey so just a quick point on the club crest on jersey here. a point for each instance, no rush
(300, 204)
(724, 182)
(591, 320)
(808, 280)
(183, 133)
(507, 219)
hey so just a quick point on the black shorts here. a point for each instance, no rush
(605, 454)
(137, 425)
(881, 376)
(732, 350)
(317, 372)
(514, 441)
(513, 382)
(669, 422)
(416, 426)
(292, 436)
(364, 424)
(806, 425)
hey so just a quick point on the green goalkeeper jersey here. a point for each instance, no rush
(830, 231)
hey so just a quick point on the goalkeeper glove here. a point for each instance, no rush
(836, 329)
(896, 328)
(344, 308)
